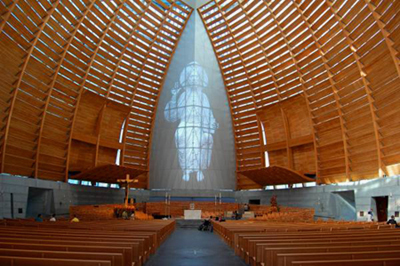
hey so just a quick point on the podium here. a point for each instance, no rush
(248, 215)
(192, 214)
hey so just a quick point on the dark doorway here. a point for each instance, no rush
(255, 201)
(40, 200)
(381, 208)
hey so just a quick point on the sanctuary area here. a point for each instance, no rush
(199, 132)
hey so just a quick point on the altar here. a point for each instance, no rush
(192, 214)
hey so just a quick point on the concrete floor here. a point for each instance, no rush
(190, 247)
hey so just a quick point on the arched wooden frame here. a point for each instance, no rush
(305, 48)
(66, 48)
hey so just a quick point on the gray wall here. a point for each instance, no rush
(342, 202)
(64, 195)
(165, 169)
(335, 201)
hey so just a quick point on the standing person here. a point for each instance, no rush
(75, 219)
(370, 217)
(53, 218)
(39, 218)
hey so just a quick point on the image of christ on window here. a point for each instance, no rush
(194, 135)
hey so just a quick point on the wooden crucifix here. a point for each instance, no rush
(126, 182)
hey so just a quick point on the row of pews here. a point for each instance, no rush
(312, 244)
(95, 243)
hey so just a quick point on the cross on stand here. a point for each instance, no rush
(126, 182)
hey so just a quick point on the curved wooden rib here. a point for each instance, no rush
(8, 14)
(382, 166)
(246, 73)
(295, 63)
(385, 35)
(131, 34)
(21, 74)
(161, 87)
(53, 82)
(284, 118)
(124, 50)
(320, 62)
(225, 84)
(156, 35)
(335, 94)
(276, 175)
(122, 157)
(84, 81)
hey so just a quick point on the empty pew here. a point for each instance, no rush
(15, 261)
(116, 259)
(287, 259)
(361, 262)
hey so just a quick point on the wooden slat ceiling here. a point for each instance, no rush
(341, 56)
(54, 50)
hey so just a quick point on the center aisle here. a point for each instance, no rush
(190, 247)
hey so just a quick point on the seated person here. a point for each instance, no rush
(205, 225)
(53, 218)
(392, 221)
(75, 219)
(39, 218)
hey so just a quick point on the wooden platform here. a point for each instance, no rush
(275, 175)
(111, 172)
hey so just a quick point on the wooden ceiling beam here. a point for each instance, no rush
(20, 77)
(82, 85)
(368, 91)
(335, 94)
(53, 82)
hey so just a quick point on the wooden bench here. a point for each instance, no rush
(270, 244)
(136, 257)
(13, 261)
(361, 262)
(271, 253)
(122, 243)
(258, 255)
(287, 259)
(126, 252)
(247, 242)
(116, 259)
(141, 251)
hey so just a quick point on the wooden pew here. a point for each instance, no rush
(247, 242)
(115, 259)
(137, 244)
(262, 243)
(270, 254)
(360, 262)
(126, 252)
(134, 241)
(257, 253)
(13, 261)
(287, 259)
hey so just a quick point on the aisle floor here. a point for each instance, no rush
(190, 247)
